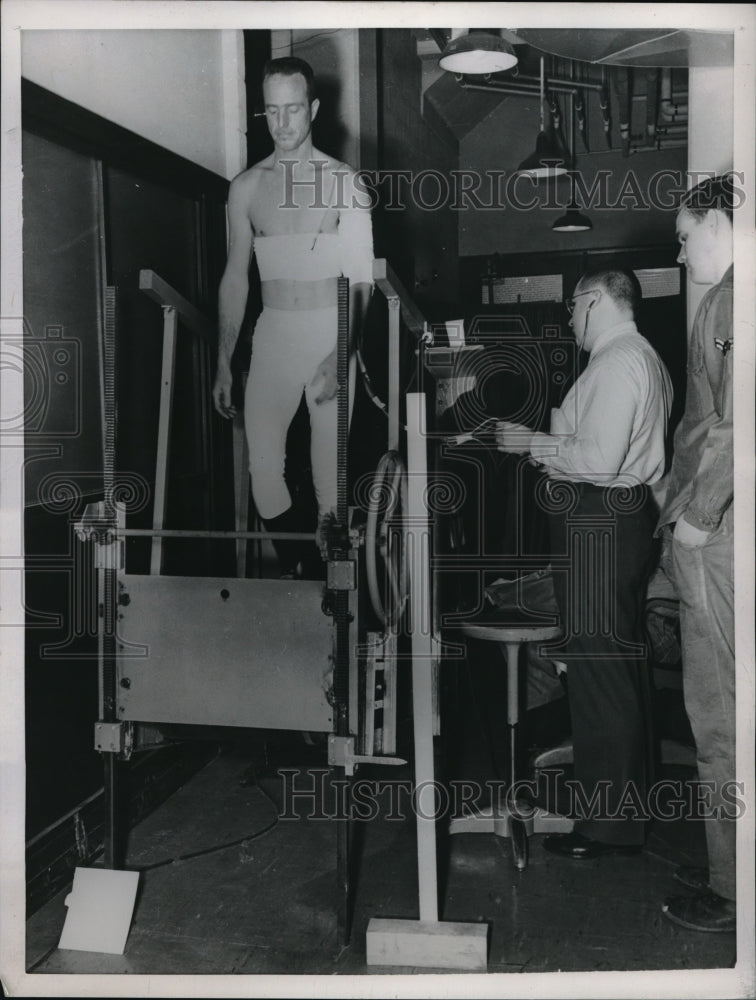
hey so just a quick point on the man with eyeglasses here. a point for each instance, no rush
(606, 446)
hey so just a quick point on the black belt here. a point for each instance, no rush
(553, 485)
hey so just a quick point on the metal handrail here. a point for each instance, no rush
(388, 283)
(162, 293)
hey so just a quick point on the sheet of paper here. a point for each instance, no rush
(100, 907)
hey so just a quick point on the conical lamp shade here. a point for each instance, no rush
(547, 161)
(573, 221)
(477, 52)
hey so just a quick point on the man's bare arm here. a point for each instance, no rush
(233, 292)
(355, 231)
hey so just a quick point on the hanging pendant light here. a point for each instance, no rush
(548, 159)
(573, 221)
(477, 52)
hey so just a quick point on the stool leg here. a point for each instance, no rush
(513, 705)
(517, 829)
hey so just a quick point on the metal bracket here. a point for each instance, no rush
(342, 574)
(341, 754)
(94, 526)
(114, 737)
(110, 555)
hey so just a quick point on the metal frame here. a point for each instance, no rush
(163, 639)
(353, 741)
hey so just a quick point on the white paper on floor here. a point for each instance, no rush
(100, 907)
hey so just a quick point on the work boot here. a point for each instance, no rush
(289, 553)
(703, 912)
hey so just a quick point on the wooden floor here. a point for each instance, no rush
(267, 905)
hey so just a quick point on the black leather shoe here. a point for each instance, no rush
(692, 878)
(704, 912)
(578, 847)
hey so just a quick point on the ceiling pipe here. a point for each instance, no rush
(652, 101)
(503, 87)
(518, 87)
(672, 120)
(677, 128)
(553, 81)
(668, 110)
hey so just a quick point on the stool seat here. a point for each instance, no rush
(511, 633)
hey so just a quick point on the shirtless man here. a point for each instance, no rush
(299, 212)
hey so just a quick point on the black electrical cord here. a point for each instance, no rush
(217, 847)
(372, 394)
(183, 857)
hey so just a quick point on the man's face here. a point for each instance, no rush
(287, 110)
(583, 300)
(698, 247)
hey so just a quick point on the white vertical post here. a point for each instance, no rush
(234, 101)
(422, 663)
(170, 326)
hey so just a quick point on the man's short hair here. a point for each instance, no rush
(290, 66)
(621, 286)
(715, 192)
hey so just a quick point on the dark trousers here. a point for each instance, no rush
(602, 552)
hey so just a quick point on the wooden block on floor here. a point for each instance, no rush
(439, 945)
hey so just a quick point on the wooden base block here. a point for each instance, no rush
(440, 945)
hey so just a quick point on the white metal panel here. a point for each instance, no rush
(228, 652)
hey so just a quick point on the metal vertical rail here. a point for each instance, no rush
(107, 588)
(341, 611)
(393, 374)
(341, 673)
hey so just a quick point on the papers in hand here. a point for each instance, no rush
(476, 432)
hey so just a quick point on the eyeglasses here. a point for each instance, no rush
(570, 303)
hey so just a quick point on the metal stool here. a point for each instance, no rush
(517, 820)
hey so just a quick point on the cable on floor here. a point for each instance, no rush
(218, 847)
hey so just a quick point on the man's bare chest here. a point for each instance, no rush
(284, 204)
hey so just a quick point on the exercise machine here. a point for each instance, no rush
(179, 651)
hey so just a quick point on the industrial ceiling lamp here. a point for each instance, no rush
(573, 221)
(548, 159)
(476, 53)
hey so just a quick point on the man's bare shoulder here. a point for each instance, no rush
(331, 165)
(250, 178)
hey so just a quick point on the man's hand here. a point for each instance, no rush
(325, 376)
(688, 534)
(222, 393)
(515, 438)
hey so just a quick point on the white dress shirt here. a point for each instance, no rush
(611, 428)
